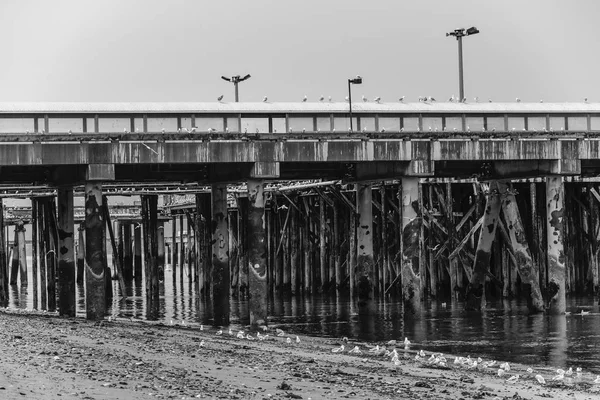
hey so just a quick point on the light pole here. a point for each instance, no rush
(459, 33)
(355, 81)
(235, 80)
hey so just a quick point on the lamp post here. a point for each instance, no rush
(355, 81)
(235, 80)
(458, 34)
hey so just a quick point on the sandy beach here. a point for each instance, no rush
(47, 357)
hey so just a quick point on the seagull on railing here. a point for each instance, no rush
(220, 98)
(401, 99)
(364, 98)
(322, 98)
(347, 98)
(518, 100)
(377, 99)
(265, 99)
(305, 99)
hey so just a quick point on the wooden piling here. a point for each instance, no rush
(127, 256)
(149, 221)
(50, 237)
(181, 248)
(294, 250)
(116, 253)
(527, 269)
(174, 249)
(3, 267)
(66, 253)
(257, 277)
(555, 195)
(364, 260)
(308, 246)
(220, 262)
(34, 249)
(14, 270)
(475, 295)
(242, 204)
(41, 239)
(160, 236)
(95, 295)
(80, 253)
(411, 229)
(323, 267)
(137, 252)
(594, 231)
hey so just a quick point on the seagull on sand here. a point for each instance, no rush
(355, 350)
(338, 349)
(513, 379)
(540, 379)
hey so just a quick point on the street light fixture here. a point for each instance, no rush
(235, 80)
(355, 81)
(458, 34)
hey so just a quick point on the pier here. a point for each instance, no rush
(421, 200)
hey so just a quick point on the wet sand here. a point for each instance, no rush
(47, 357)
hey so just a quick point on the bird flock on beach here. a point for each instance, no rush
(391, 352)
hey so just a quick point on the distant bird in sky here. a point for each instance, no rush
(220, 98)
(401, 99)
(377, 99)
(364, 98)
(322, 98)
(305, 98)
(265, 99)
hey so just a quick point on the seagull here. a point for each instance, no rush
(476, 99)
(202, 343)
(540, 379)
(374, 349)
(505, 366)
(500, 372)
(297, 339)
(219, 332)
(451, 99)
(162, 130)
(518, 100)
(265, 99)
(322, 98)
(558, 377)
(584, 313)
(347, 98)
(541, 101)
(201, 327)
(288, 340)
(569, 372)
(430, 98)
(364, 98)
(329, 99)
(597, 380)
(279, 332)
(355, 350)
(220, 98)
(70, 133)
(529, 370)
(249, 337)
(227, 130)
(489, 100)
(585, 100)
(513, 379)
(305, 99)
(401, 99)
(377, 99)
(338, 349)
(240, 335)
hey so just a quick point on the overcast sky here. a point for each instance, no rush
(175, 50)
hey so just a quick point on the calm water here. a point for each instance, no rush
(504, 331)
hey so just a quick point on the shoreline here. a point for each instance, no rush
(47, 357)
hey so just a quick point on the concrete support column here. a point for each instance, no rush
(257, 253)
(528, 270)
(127, 256)
(95, 286)
(555, 201)
(81, 254)
(66, 253)
(364, 261)
(475, 295)
(411, 230)
(220, 256)
(137, 252)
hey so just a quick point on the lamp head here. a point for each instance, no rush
(356, 81)
(472, 31)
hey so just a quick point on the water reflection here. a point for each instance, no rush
(504, 331)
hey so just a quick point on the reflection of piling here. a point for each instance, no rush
(127, 256)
